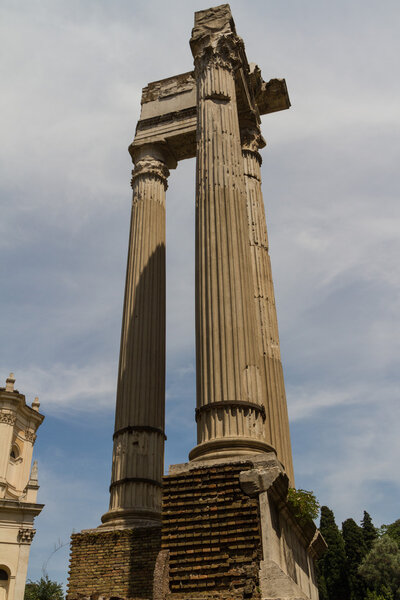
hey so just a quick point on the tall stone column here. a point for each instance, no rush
(138, 452)
(230, 410)
(264, 299)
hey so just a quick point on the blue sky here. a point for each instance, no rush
(72, 74)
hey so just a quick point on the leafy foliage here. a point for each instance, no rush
(332, 567)
(304, 504)
(385, 595)
(392, 530)
(44, 589)
(381, 568)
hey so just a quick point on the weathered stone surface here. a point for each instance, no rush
(161, 576)
(230, 388)
(169, 109)
(138, 453)
(278, 434)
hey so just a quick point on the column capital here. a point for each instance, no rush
(214, 41)
(150, 166)
(252, 140)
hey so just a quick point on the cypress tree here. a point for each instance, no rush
(356, 550)
(369, 531)
(332, 566)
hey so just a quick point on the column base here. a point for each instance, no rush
(129, 519)
(229, 447)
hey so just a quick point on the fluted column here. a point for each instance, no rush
(138, 452)
(264, 300)
(230, 411)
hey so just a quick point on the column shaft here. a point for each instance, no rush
(138, 452)
(267, 322)
(230, 412)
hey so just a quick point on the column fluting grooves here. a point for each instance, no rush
(138, 452)
(267, 321)
(230, 412)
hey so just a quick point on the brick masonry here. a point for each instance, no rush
(211, 530)
(113, 564)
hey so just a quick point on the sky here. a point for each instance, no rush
(72, 73)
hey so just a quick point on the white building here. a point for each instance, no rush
(18, 488)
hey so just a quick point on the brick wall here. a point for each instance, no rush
(113, 564)
(211, 529)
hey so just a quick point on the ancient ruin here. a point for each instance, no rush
(219, 526)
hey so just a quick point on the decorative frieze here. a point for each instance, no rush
(7, 417)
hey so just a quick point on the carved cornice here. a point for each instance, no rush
(150, 167)
(25, 536)
(8, 418)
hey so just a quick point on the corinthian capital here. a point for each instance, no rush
(214, 41)
(148, 166)
(251, 139)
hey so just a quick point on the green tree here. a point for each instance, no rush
(369, 531)
(44, 589)
(393, 530)
(332, 566)
(385, 595)
(304, 504)
(381, 568)
(356, 550)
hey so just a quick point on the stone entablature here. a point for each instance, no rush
(18, 485)
(169, 108)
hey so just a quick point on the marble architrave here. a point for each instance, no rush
(169, 108)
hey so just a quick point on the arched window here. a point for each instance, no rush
(14, 452)
(3, 575)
